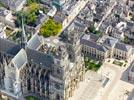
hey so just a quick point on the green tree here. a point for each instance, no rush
(50, 28)
(31, 18)
(126, 40)
(19, 15)
(92, 29)
(33, 8)
(32, 1)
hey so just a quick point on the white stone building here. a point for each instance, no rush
(105, 47)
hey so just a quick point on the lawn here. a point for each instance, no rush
(92, 64)
(31, 98)
(117, 63)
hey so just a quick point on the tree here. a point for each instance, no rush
(31, 18)
(33, 8)
(92, 29)
(50, 28)
(126, 40)
(32, 1)
(19, 15)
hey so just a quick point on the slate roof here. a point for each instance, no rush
(4, 12)
(123, 46)
(39, 58)
(91, 37)
(9, 47)
(93, 44)
(59, 17)
(12, 3)
(34, 42)
(20, 57)
(41, 18)
(130, 26)
(132, 66)
(110, 42)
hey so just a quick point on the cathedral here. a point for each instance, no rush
(50, 68)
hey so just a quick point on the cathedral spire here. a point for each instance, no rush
(24, 37)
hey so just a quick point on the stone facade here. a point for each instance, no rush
(105, 47)
(42, 68)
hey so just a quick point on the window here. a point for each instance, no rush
(57, 86)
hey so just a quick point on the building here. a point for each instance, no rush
(105, 47)
(35, 28)
(52, 12)
(59, 3)
(92, 49)
(43, 66)
(129, 31)
(122, 51)
(131, 73)
(6, 17)
(70, 10)
(15, 5)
